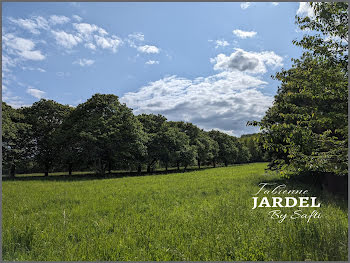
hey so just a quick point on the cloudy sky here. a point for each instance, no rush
(206, 63)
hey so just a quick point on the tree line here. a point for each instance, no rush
(104, 135)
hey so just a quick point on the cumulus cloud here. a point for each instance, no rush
(250, 62)
(108, 43)
(77, 33)
(152, 62)
(137, 36)
(84, 62)
(245, 5)
(243, 34)
(54, 19)
(221, 43)
(148, 49)
(224, 101)
(65, 39)
(33, 24)
(77, 18)
(275, 3)
(90, 46)
(22, 47)
(86, 30)
(36, 93)
(305, 10)
(90, 35)
(135, 39)
(32, 55)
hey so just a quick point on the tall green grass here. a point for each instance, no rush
(201, 215)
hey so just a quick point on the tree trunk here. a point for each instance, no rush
(166, 166)
(13, 170)
(101, 168)
(214, 164)
(139, 169)
(225, 163)
(109, 167)
(149, 170)
(199, 163)
(178, 165)
(70, 166)
(46, 170)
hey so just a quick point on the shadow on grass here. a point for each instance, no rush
(315, 187)
(89, 176)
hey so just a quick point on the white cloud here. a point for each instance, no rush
(86, 30)
(137, 36)
(66, 40)
(221, 43)
(18, 43)
(275, 3)
(7, 63)
(36, 93)
(32, 55)
(90, 46)
(26, 24)
(251, 62)
(34, 69)
(84, 62)
(54, 19)
(244, 34)
(224, 101)
(89, 35)
(305, 10)
(22, 47)
(108, 43)
(245, 5)
(41, 22)
(148, 49)
(77, 18)
(135, 39)
(152, 62)
(33, 24)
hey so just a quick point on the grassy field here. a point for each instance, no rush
(200, 215)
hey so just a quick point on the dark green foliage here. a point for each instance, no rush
(254, 146)
(331, 40)
(305, 131)
(107, 131)
(173, 146)
(203, 146)
(152, 125)
(45, 117)
(16, 138)
(228, 150)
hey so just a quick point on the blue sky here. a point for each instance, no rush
(207, 63)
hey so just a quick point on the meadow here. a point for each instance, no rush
(197, 216)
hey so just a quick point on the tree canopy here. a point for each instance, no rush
(305, 131)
